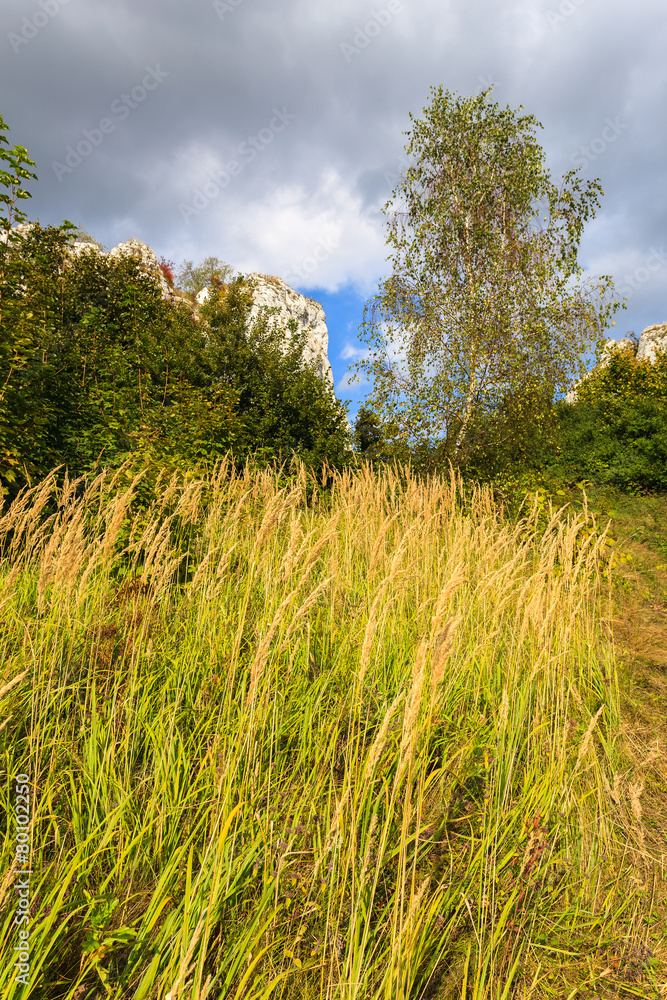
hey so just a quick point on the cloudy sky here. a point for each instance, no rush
(270, 134)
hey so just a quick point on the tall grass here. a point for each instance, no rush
(283, 743)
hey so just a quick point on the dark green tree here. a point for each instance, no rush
(380, 441)
(285, 406)
(97, 367)
(25, 266)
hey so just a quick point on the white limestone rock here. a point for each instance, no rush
(81, 246)
(21, 229)
(145, 256)
(652, 340)
(268, 291)
(272, 292)
(133, 248)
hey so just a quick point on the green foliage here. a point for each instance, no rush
(110, 371)
(96, 368)
(626, 378)
(24, 319)
(378, 441)
(140, 367)
(614, 435)
(623, 446)
(284, 404)
(522, 433)
(106, 361)
(18, 322)
(515, 440)
(19, 161)
(211, 271)
(29, 307)
(481, 302)
(616, 432)
(123, 373)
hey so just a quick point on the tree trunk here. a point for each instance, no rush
(467, 413)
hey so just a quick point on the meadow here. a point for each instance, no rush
(287, 741)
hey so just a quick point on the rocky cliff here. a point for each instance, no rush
(274, 293)
(268, 291)
(653, 339)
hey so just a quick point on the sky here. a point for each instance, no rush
(270, 134)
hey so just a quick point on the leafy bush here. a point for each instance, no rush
(22, 436)
(377, 440)
(285, 406)
(616, 432)
(167, 268)
(112, 371)
(194, 278)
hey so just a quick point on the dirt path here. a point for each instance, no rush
(639, 627)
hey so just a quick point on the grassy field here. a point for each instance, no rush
(639, 629)
(376, 741)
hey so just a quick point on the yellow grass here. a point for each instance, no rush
(363, 746)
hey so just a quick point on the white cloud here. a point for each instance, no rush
(324, 177)
(352, 353)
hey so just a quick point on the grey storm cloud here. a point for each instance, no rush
(259, 132)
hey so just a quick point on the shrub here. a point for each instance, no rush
(285, 406)
(167, 268)
(616, 432)
(111, 371)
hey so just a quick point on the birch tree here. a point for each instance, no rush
(486, 298)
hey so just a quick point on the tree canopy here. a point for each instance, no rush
(194, 278)
(485, 312)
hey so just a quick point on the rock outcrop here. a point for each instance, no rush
(133, 248)
(20, 228)
(269, 291)
(273, 293)
(653, 339)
